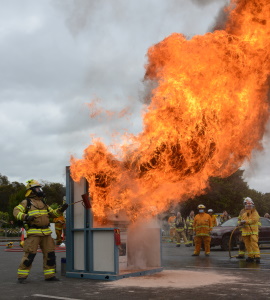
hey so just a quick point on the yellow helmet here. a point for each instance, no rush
(31, 184)
(201, 206)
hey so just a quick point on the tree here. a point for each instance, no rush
(7, 189)
(222, 194)
(15, 199)
(54, 192)
(4, 218)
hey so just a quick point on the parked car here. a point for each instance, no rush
(220, 235)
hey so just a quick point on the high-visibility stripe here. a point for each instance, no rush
(20, 207)
(203, 226)
(50, 271)
(245, 233)
(23, 272)
(39, 231)
(203, 234)
(38, 212)
(20, 216)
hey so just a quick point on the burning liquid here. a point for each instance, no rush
(207, 113)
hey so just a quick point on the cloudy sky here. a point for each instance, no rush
(57, 56)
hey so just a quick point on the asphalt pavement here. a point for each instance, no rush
(184, 277)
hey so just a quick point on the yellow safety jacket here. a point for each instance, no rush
(252, 224)
(42, 212)
(189, 222)
(202, 224)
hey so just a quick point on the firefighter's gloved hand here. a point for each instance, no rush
(28, 218)
(63, 207)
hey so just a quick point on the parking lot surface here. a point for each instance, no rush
(184, 277)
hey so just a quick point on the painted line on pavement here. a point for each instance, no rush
(54, 297)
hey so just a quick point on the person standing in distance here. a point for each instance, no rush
(202, 226)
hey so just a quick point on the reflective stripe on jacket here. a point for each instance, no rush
(202, 224)
(42, 212)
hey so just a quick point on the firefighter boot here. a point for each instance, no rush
(22, 280)
(52, 279)
(249, 259)
(257, 260)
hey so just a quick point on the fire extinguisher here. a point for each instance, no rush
(117, 237)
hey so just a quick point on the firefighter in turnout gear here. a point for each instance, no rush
(189, 225)
(171, 222)
(35, 214)
(202, 226)
(180, 226)
(214, 219)
(249, 220)
(59, 226)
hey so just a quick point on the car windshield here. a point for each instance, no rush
(231, 222)
(265, 222)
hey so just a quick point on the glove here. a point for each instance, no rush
(63, 207)
(28, 218)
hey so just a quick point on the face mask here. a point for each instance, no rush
(38, 192)
(201, 210)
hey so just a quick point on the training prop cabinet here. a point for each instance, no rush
(100, 253)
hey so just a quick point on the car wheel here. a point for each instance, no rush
(225, 243)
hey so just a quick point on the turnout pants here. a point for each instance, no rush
(30, 247)
(179, 235)
(198, 240)
(251, 243)
(190, 235)
(172, 234)
(242, 248)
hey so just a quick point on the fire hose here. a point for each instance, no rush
(230, 241)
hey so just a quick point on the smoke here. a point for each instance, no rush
(203, 2)
(77, 13)
(220, 20)
(143, 238)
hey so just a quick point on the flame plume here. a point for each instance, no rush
(207, 113)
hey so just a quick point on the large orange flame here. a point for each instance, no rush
(206, 115)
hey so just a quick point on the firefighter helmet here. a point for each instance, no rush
(201, 206)
(248, 201)
(30, 184)
(210, 210)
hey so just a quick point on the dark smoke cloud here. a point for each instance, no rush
(220, 21)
